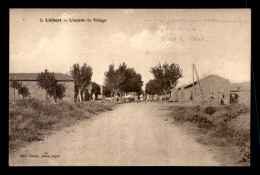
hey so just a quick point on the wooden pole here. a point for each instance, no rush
(199, 82)
(14, 88)
(193, 89)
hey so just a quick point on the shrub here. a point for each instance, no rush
(47, 81)
(218, 125)
(30, 118)
(245, 151)
(210, 110)
(23, 90)
(197, 108)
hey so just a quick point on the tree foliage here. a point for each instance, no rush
(133, 81)
(166, 76)
(106, 91)
(123, 79)
(15, 84)
(60, 91)
(111, 79)
(152, 87)
(82, 78)
(95, 88)
(23, 90)
(46, 80)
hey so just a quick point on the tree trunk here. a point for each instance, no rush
(112, 93)
(54, 95)
(14, 94)
(75, 94)
(165, 96)
(79, 96)
(84, 96)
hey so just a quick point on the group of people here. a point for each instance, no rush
(150, 98)
(136, 98)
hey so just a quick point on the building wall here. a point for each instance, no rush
(215, 85)
(181, 94)
(174, 95)
(244, 97)
(69, 93)
(243, 91)
(39, 93)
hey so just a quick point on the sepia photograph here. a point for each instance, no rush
(129, 87)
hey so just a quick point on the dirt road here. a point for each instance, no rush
(135, 134)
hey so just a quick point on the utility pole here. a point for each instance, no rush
(198, 82)
(14, 91)
(193, 89)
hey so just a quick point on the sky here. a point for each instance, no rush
(216, 41)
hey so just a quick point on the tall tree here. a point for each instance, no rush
(106, 91)
(95, 89)
(82, 77)
(111, 79)
(152, 87)
(166, 76)
(123, 79)
(133, 81)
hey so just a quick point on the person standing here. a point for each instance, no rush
(116, 97)
(148, 98)
(136, 98)
(151, 97)
(141, 97)
(126, 99)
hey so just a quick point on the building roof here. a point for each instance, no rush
(33, 76)
(195, 82)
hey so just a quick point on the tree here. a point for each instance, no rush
(106, 91)
(166, 76)
(133, 82)
(111, 79)
(60, 91)
(47, 81)
(123, 79)
(82, 77)
(15, 85)
(152, 87)
(95, 89)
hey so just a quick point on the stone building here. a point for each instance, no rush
(214, 88)
(29, 80)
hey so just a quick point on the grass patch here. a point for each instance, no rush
(220, 123)
(30, 119)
